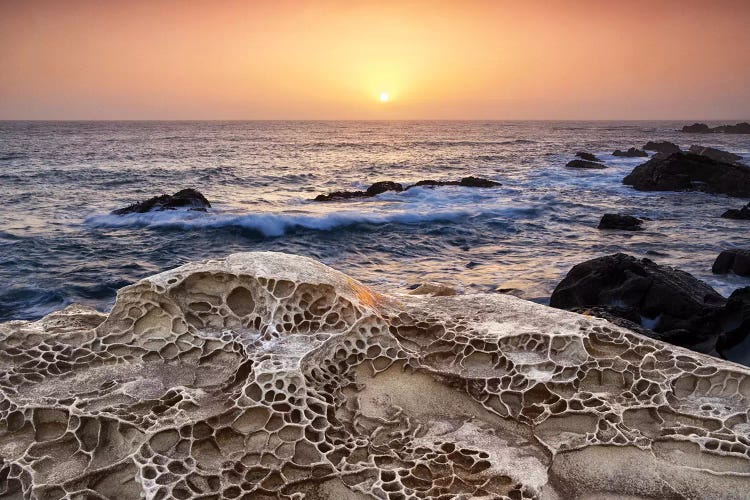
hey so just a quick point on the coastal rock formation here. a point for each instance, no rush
(690, 172)
(383, 186)
(715, 154)
(738, 213)
(630, 153)
(185, 199)
(620, 221)
(587, 156)
(584, 164)
(702, 128)
(270, 376)
(665, 147)
(735, 260)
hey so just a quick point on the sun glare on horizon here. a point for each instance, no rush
(384, 97)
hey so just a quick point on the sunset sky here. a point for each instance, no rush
(517, 59)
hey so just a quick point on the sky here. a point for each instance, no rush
(280, 59)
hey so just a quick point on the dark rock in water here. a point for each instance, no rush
(690, 172)
(186, 198)
(702, 128)
(587, 156)
(738, 213)
(662, 147)
(631, 153)
(678, 307)
(735, 260)
(697, 128)
(620, 221)
(616, 315)
(584, 164)
(383, 186)
(715, 154)
(734, 343)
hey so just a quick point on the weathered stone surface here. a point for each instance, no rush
(735, 260)
(587, 156)
(702, 128)
(690, 172)
(266, 376)
(186, 198)
(742, 213)
(715, 154)
(584, 164)
(631, 153)
(661, 147)
(620, 221)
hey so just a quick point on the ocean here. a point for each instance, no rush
(59, 181)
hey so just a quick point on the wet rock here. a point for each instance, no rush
(587, 156)
(715, 154)
(738, 213)
(185, 199)
(735, 260)
(620, 221)
(662, 147)
(734, 343)
(584, 164)
(702, 128)
(466, 182)
(675, 305)
(630, 153)
(690, 172)
(384, 186)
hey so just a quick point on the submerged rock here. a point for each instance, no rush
(702, 128)
(187, 198)
(690, 172)
(272, 376)
(715, 154)
(630, 153)
(738, 213)
(584, 164)
(665, 147)
(735, 260)
(587, 156)
(672, 303)
(620, 221)
(383, 186)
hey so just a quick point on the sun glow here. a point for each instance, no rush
(384, 97)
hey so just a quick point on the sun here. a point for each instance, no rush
(384, 97)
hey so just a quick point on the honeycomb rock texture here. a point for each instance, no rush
(272, 376)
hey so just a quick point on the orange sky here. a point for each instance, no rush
(576, 59)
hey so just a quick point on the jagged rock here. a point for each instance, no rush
(715, 154)
(668, 301)
(434, 289)
(271, 376)
(186, 198)
(738, 213)
(702, 128)
(690, 172)
(584, 164)
(735, 260)
(383, 186)
(665, 147)
(587, 156)
(630, 153)
(620, 221)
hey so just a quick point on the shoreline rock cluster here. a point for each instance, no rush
(384, 186)
(702, 128)
(189, 199)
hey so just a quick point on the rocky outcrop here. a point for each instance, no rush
(690, 172)
(620, 221)
(738, 213)
(584, 164)
(384, 186)
(735, 260)
(630, 153)
(665, 147)
(270, 376)
(702, 128)
(587, 156)
(715, 154)
(189, 199)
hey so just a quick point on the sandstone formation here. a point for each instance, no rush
(270, 376)
(383, 186)
(584, 164)
(661, 147)
(690, 172)
(702, 128)
(620, 221)
(186, 199)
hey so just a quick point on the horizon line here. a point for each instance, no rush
(697, 120)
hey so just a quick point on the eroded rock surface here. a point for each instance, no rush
(266, 375)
